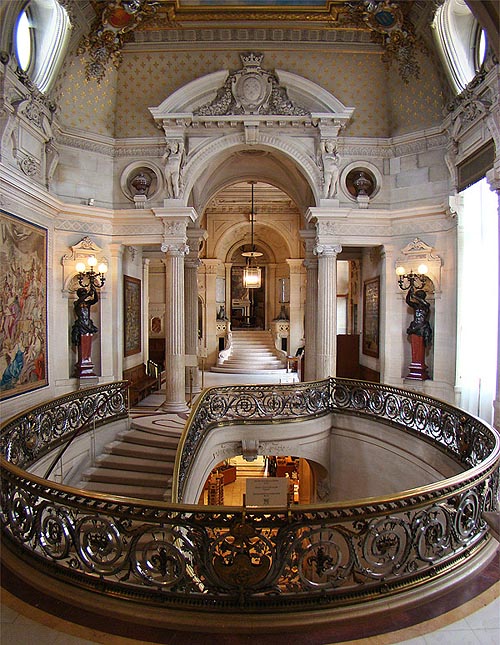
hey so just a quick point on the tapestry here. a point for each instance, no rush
(371, 317)
(23, 304)
(132, 315)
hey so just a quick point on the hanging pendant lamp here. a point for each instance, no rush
(252, 278)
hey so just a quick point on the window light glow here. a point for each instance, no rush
(22, 39)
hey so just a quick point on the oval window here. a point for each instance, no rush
(22, 39)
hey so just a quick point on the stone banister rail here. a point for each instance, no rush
(233, 559)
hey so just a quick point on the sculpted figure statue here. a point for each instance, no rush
(419, 326)
(83, 323)
(173, 162)
(331, 170)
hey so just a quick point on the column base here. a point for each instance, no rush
(169, 406)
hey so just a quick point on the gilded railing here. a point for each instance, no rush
(228, 559)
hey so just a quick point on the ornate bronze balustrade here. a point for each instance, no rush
(233, 559)
(463, 436)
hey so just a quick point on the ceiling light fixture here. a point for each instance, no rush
(252, 278)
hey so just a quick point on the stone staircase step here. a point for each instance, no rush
(251, 352)
(122, 462)
(129, 478)
(136, 492)
(149, 439)
(138, 450)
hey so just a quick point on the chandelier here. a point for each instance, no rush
(252, 273)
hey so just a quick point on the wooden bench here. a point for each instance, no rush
(141, 384)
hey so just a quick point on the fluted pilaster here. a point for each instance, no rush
(191, 264)
(311, 305)
(326, 337)
(175, 400)
(296, 267)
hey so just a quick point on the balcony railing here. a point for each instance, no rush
(232, 558)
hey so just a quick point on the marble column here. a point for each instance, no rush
(311, 305)
(145, 310)
(175, 219)
(211, 267)
(191, 264)
(115, 277)
(326, 335)
(296, 267)
(175, 378)
(272, 307)
(392, 322)
(228, 304)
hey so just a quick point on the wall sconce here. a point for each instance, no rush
(412, 280)
(87, 277)
(420, 331)
(252, 278)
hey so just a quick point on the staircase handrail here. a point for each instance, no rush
(27, 437)
(256, 560)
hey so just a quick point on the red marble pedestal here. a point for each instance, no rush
(85, 367)
(417, 369)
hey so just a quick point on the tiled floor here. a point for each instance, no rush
(475, 622)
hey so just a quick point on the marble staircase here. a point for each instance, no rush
(252, 352)
(138, 463)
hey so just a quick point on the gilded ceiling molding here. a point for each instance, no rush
(387, 21)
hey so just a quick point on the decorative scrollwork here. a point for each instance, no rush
(467, 517)
(55, 532)
(197, 557)
(241, 558)
(432, 529)
(100, 543)
(385, 547)
(159, 558)
(325, 557)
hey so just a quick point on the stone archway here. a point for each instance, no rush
(251, 107)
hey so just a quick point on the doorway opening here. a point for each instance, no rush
(247, 305)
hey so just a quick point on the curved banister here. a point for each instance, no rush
(460, 434)
(226, 558)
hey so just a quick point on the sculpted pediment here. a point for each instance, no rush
(252, 90)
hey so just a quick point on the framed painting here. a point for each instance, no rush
(23, 303)
(371, 316)
(132, 315)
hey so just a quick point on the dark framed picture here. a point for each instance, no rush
(132, 315)
(23, 306)
(371, 316)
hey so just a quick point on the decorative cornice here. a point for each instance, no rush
(97, 228)
(355, 147)
(237, 36)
